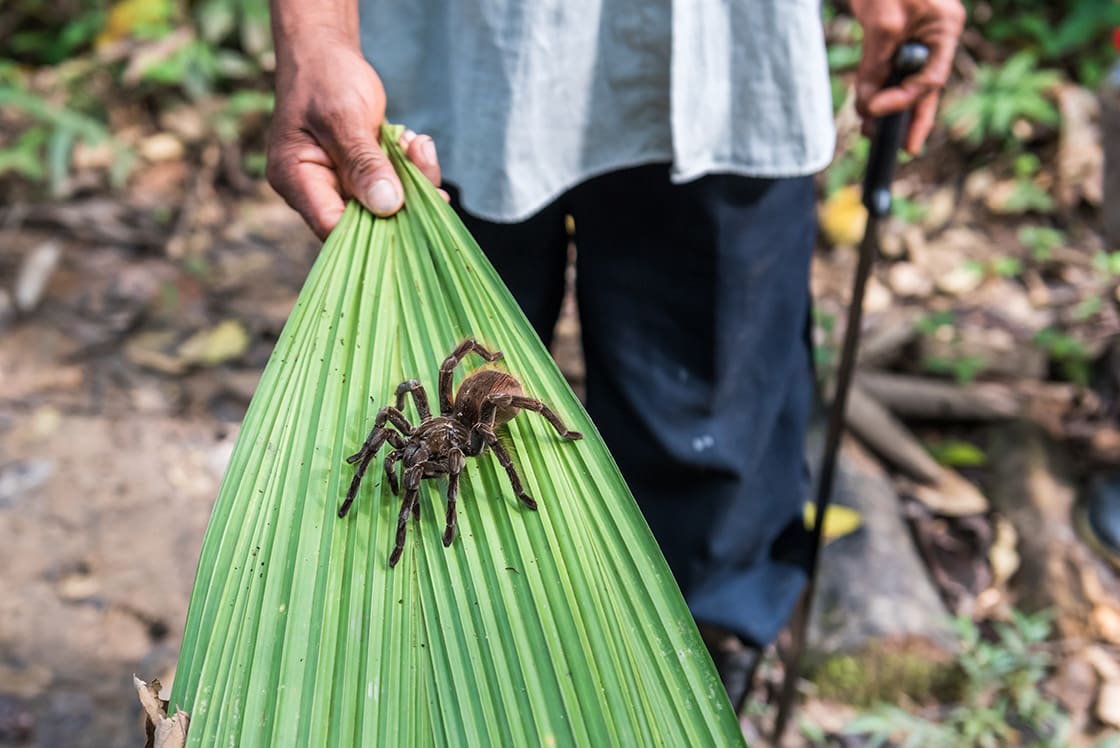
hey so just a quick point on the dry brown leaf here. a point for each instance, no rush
(1080, 156)
(952, 495)
(1104, 663)
(163, 146)
(1004, 554)
(150, 350)
(34, 273)
(1108, 703)
(163, 731)
(1106, 623)
(909, 281)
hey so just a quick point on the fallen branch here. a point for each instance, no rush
(943, 490)
(888, 437)
(883, 344)
(926, 397)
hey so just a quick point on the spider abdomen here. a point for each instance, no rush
(476, 388)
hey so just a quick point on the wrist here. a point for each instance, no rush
(302, 30)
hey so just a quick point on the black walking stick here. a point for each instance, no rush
(885, 142)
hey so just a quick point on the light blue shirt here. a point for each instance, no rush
(528, 99)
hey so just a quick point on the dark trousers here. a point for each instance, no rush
(694, 307)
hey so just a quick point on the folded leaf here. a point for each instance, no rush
(561, 626)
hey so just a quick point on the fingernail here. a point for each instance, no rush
(406, 138)
(383, 198)
(428, 149)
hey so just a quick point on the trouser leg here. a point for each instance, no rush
(694, 301)
(530, 256)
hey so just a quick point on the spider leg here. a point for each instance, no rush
(456, 462)
(503, 457)
(505, 400)
(419, 396)
(378, 436)
(390, 459)
(353, 492)
(411, 498)
(379, 433)
(446, 403)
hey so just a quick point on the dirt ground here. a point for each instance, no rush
(109, 466)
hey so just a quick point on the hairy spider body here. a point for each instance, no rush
(439, 445)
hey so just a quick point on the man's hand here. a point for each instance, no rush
(887, 24)
(323, 141)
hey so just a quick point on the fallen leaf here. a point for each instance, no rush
(1074, 685)
(1104, 663)
(1108, 703)
(1004, 555)
(1106, 623)
(151, 349)
(34, 274)
(909, 281)
(128, 16)
(1080, 156)
(959, 281)
(24, 682)
(939, 208)
(225, 341)
(163, 146)
(952, 495)
(21, 477)
(838, 520)
(843, 218)
(163, 731)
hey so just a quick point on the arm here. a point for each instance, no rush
(329, 107)
(886, 25)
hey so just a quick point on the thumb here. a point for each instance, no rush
(368, 175)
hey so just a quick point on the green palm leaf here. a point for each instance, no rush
(556, 627)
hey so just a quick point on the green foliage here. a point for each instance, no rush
(242, 105)
(1003, 94)
(41, 152)
(825, 352)
(1107, 263)
(1007, 267)
(1088, 308)
(907, 210)
(1069, 353)
(1027, 196)
(931, 323)
(848, 168)
(1070, 32)
(219, 48)
(1002, 700)
(963, 367)
(957, 453)
(52, 46)
(1041, 241)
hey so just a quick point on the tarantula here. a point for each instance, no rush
(440, 444)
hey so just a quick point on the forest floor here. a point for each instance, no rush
(136, 315)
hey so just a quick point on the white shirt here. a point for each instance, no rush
(526, 99)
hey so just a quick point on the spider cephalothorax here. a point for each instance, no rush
(439, 445)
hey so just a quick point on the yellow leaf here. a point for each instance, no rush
(843, 217)
(226, 340)
(127, 16)
(838, 520)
